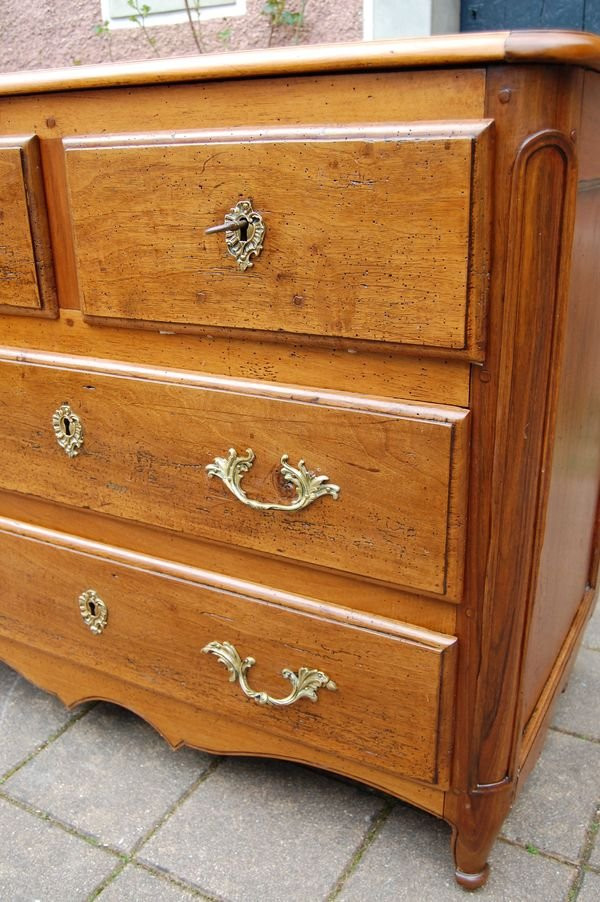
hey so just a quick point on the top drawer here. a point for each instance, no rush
(371, 232)
(26, 277)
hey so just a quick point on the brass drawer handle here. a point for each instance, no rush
(68, 430)
(244, 233)
(93, 611)
(309, 487)
(305, 684)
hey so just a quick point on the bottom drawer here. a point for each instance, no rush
(390, 709)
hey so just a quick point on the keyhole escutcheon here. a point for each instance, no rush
(68, 430)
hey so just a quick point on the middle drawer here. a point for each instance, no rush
(370, 486)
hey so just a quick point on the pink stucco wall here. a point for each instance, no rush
(45, 33)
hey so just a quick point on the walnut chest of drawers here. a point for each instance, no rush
(300, 380)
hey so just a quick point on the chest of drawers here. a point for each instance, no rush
(320, 484)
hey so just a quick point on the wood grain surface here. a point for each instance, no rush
(469, 389)
(157, 628)
(574, 471)
(401, 468)
(26, 276)
(173, 719)
(294, 100)
(333, 587)
(367, 229)
(18, 280)
(536, 113)
(550, 46)
(385, 373)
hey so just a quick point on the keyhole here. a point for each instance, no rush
(66, 426)
(244, 229)
(92, 608)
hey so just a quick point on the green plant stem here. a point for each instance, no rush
(150, 40)
(280, 16)
(140, 20)
(195, 34)
(300, 23)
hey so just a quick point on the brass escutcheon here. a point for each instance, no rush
(68, 430)
(244, 233)
(93, 611)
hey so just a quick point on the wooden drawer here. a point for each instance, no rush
(148, 438)
(372, 232)
(394, 699)
(26, 275)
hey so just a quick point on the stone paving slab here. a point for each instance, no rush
(595, 856)
(260, 831)
(409, 861)
(556, 805)
(135, 884)
(590, 891)
(39, 861)
(19, 734)
(591, 638)
(575, 710)
(110, 775)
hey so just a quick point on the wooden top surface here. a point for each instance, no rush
(562, 47)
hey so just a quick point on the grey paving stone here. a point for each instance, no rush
(590, 891)
(595, 856)
(259, 831)
(557, 802)
(39, 861)
(591, 638)
(111, 776)
(28, 717)
(578, 709)
(135, 884)
(410, 860)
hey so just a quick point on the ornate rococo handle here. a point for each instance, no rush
(308, 486)
(305, 684)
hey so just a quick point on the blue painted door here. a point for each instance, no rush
(493, 15)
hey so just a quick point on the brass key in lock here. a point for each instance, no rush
(244, 233)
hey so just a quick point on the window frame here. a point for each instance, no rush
(225, 10)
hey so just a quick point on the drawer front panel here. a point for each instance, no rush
(367, 231)
(401, 468)
(393, 704)
(26, 279)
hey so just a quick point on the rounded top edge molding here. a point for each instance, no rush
(476, 48)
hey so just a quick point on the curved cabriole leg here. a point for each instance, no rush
(476, 820)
